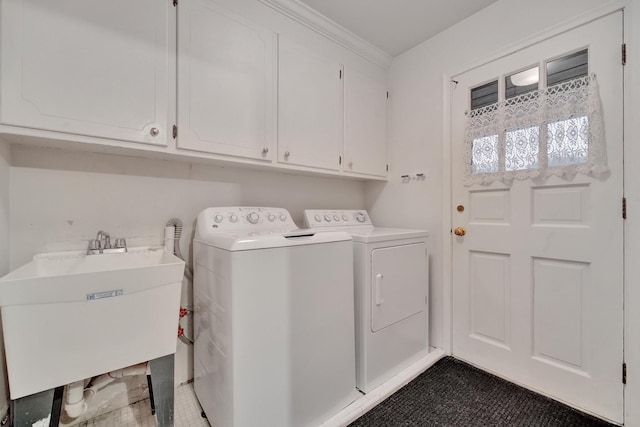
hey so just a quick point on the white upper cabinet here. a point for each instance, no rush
(87, 67)
(226, 79)
(242, 82)
(365, 127)
(310, 107)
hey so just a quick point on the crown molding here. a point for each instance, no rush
(319, 23)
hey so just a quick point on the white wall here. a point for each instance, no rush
(60, 199)
(416, 118)
(5, 169)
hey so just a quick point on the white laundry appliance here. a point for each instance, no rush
(391, 293)
(274, 319)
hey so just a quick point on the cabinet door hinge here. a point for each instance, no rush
(624, 373)
(175, 131)
(624, 54)
(624, 208)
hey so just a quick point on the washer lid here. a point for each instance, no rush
(271, 239)
(379, 234)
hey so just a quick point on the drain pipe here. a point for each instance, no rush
(103, 380)
(77, 394)
(75, 404)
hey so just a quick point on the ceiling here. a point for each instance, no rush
(396, 26)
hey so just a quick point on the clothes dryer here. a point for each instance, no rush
(391, 293)
(274, 319)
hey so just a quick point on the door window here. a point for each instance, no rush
(536, 125)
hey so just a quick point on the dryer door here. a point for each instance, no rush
(398, 283)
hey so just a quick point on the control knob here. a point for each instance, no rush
(271, 217)
(253, 218)
(360, 217)
(283, 217)
(218, 218)
(233, 218)
(327, 218)
(345, 218)
(318, 218)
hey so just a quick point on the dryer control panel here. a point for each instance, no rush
(336, 218)
(245, 218)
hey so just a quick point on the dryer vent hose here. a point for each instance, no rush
(176, 223)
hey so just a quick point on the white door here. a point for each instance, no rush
(87, 67)
(538, 277)
(365, 124)
(310, 106)
(226, 80)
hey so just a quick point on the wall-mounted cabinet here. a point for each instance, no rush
(226, 81)
(87, 67)
(242, 82)
(365, 124)
(310, 107)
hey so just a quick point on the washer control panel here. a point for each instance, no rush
(335, 218)
(239, 218)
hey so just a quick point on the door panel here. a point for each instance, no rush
(397, 277)
(365, 127)
(87, 67)
(561, 292)
(310, 107)
(490, 288)
(537, 279)
(226, 82)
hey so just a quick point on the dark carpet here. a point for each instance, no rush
(454, 393)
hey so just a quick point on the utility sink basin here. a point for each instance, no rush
(68, 316)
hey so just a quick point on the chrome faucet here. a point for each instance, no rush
(102, 244)
(105, 239)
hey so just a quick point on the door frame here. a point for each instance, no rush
(448, 83)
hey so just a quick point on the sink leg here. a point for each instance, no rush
(39, 409)
(153, 405)
(162, 382)
(56, 409)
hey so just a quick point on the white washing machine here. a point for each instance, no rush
(391, 293)
(274, 319)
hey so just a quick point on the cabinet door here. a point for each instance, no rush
(365, 127)
(310, 107)
(87, 67)
(225, 82)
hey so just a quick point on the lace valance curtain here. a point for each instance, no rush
(553, 131)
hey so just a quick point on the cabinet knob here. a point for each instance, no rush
(287, 154)
(154, 132)
(265, 150)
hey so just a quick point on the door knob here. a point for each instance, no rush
(459, 231)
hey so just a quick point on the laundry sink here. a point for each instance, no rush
(68, 316)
